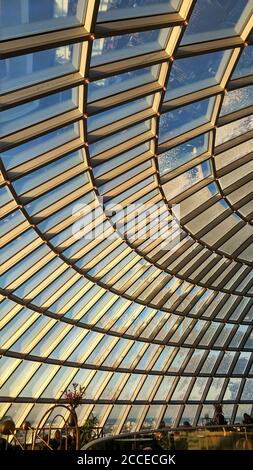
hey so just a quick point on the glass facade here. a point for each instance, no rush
(126, 206)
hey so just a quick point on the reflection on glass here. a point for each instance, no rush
(21, 18)
(183, 119)
(184, 153)
(129, 45)
(110, 10)
(216, 19)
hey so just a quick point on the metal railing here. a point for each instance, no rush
(44, 438)
(213, 437)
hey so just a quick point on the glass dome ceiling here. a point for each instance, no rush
(122, 103)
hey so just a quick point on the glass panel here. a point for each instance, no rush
(27, 182)
(60, 382)
(188, 416)
(210, 362)
(6, 196)
(183, 119)
(187, 180)
(152, 417)
(237, 99)
(233, 154)
(181, 388)
(39, 381)
(198, 389)
(148, 356)
(198, 198)
(35, 147)
(226, 362)
(21, 18)
(247, 391)
(245, 408)
(234, 129)
(184, 153)
(25, 70)
(132, 384)
(34, 416)
(171, 414)
(96, 385)
(224, 335)
(194, 73)
(120, 159)
(114, 419)
(125, 81)
(242, 363)
(207, 413)
(178, 360)
(119, 112)
(14, 384)
(221, 230)
(194, 361)
(215, 389)
(238, 336)
(133, 418)
(148, 387)
(38, 110)
(129, 45)
(112, 389)
(232, 389)
(216, 19)
(245, 63)
(110, 10)
(249, 342)
(165, 388)
(118, 138)
(100, 411)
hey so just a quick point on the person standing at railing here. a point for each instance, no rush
(247, 419)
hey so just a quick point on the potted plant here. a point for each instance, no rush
(87, 430)
(73, 397)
